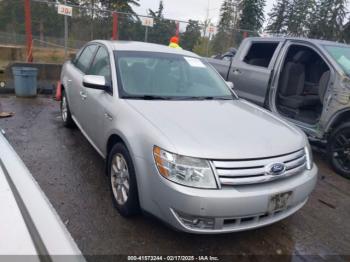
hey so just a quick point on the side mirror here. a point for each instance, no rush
(95, 82)
(230, 84)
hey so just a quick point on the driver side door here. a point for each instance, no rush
(93, 109)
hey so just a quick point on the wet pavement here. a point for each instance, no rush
(71, 173)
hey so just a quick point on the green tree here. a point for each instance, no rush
(12, 17)
(203, 47)
(252, 15)
(120, 5)
(278, 17)
(162, 29)
(346, 33)
(329, 20)
(300, 12)
(223, 39)
(191, 36)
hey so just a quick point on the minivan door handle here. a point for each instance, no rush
(83, 95)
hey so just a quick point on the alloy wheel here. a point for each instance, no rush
(120, 179)
(341, 150)
(64, 109)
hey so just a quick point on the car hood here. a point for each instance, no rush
(225, 129)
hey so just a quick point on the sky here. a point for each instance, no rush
(188, 9)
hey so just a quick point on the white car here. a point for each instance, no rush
(29, 225)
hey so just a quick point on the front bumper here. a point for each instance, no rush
(231, 208)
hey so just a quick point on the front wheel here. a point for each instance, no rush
(339, 150)
(65, 111)
(123, 181)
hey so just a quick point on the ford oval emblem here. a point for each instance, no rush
(276, 169)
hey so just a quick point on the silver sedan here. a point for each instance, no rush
(179, 144)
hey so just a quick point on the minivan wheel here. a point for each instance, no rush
(65, 111)
(339, 150)
(123, 181)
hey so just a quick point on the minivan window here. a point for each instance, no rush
(168, 76)
(260, 54)
(341, 54)
(84, 60)
(101, 66)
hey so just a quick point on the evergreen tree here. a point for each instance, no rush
(346, 33)
(226, 17)
(328, 20)
(163, 29)
(120, 5)
(299, 15)
(191, 36)
(252, 15)
(203, 47)
(337, 20)
(278, 18)
(223, 38)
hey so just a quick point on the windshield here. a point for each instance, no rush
(341, 55)
(147, 75)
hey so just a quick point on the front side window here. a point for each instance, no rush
(101, 66)
(168, 76)
(85, 58)
(341, 54)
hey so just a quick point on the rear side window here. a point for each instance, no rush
(84, 59)
(260, 54)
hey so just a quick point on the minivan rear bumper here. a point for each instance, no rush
(229, 209)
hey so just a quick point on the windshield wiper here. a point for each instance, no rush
(151, 97)
(206, 98)
(148, 97)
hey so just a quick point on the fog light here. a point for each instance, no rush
(196, 222)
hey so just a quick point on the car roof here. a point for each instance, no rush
(144, 47)
(310, 40)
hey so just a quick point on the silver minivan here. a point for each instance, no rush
(179, 144)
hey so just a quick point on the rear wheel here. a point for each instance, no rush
(339, 150)
(123, 181)
(65, 111)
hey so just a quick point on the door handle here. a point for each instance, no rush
(69, 82)
(108, 116)
(83, 95)
(236, 71)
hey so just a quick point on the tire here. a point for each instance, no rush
(339, 150)
(122, 181)
(65, 112)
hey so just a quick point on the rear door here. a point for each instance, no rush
(76, 89)
(252, 68)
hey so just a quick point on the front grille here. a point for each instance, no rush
(240, 172)
(251, 220)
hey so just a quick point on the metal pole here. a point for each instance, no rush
(208, 44)
(65, 35)
(177, 29)
(29, 37)
(115, 26)
(146, 34)
(92, 20)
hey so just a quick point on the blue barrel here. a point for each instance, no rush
(25, 81)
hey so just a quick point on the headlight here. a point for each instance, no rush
(309, 158)
(184, 170)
